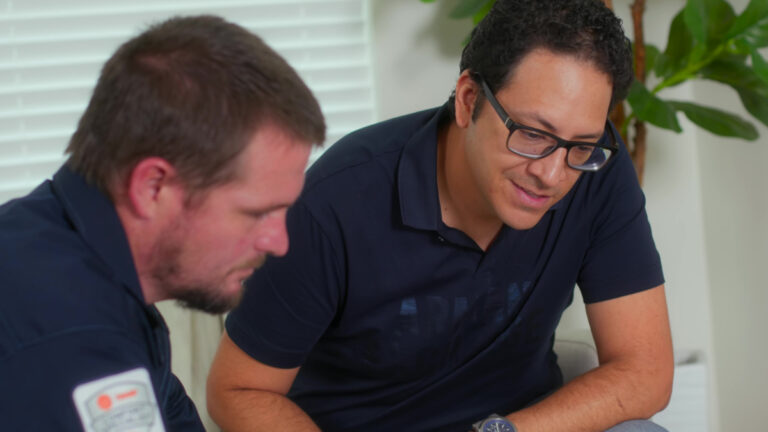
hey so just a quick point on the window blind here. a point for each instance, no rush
(51, 52)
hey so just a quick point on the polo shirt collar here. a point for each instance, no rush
(94, 217)
(417, 176)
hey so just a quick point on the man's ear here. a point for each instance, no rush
(153, 188)
(466, 97)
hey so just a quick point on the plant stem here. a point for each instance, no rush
(624, 128)
(689, 70)
(638, 8)
(618, 116)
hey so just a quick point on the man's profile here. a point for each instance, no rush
(178, 180)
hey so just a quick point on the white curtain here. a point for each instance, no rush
(51, 52)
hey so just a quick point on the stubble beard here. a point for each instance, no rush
(204, 296)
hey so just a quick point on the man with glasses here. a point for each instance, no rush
(434, 254)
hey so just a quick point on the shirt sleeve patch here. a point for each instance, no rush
(124, 401)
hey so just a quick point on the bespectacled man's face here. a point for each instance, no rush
(216, 244)
(557, 93)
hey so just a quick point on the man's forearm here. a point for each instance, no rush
(253, 411)
(598, 400)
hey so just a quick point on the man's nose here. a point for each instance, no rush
(272, 237)
(550, 170)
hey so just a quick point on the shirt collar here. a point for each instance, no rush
(94, 217)
(417, 176)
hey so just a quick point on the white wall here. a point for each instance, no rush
(735, 203)
(735, 215)
(417, 50)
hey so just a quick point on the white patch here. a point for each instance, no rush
(121, 402)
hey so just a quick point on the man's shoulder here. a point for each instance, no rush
(51, 282)
(39, 242)
(379, 144)
(39, 207)
(39, 310)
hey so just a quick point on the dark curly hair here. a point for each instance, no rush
(586, 29)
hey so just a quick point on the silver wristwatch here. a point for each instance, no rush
(494, 423)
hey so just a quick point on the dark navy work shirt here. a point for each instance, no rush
(73, 313)
(402, 323)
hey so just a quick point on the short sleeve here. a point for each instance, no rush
(621, 258)
(39, 381)
(290, 302)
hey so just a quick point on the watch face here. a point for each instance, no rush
(497, 425)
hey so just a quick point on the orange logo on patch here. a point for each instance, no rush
(104, 402)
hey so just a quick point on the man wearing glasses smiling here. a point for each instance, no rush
(434, 254)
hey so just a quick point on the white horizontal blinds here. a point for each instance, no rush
(51, 52)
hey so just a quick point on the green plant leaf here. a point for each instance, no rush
(737, 51)
(716, 121)
(651, 54)
(467, 8)
(699, 52)
(479, 15)
(756, 11)
(760, 66)
(427, 1)
(708, 20)
(752, 90)
(696, 15)
(739, 47)
(679, 44)
(647, 107)
(661, 65)
(758, 36)
(755, 103)
(735, 74)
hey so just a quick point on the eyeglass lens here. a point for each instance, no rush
(532, 144)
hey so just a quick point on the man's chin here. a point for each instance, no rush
(211, 303)
(522, 219)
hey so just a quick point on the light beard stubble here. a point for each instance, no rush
(205, 296)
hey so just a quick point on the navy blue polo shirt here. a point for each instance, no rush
(74, 327)
(402, 323)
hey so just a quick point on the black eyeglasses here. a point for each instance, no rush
(535, 143)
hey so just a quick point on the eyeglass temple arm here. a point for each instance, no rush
(510, 124)
(496, 106)
(616, 137)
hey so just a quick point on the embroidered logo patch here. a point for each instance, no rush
(120, 402)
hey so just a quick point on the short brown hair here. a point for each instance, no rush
(191, 90)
